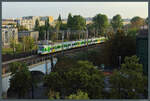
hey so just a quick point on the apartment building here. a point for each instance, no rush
(9, 32)
(29, 21)
(33, 34)
(9, 21)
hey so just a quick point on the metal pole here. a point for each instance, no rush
(46, 67)
(62, 42)
(119, 62)
(87, 41)
(52, 65)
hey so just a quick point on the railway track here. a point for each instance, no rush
(27, 59)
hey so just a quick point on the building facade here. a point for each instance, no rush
(29, 21)
(33, 34)
(9, 32)
(142, 49)
(9, 21)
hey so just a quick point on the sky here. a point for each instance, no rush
(85, 9)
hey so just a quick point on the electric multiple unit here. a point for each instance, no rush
(46, 49)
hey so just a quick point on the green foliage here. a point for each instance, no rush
(79, 75)
(20, 81)
(129, 81)
(59, 19)
(117, 22)
(63, 26)
(101, 23)
(132, 32)
(7, 50)
(22, 28)
(28, 43)
(137, 22)
(36, 28)
(47, 25)
(53, 95)
(70, 21)
(131, 63)
(19, 47)
(13, 43)
(146, 21)
(94, 56)
(91, 30)
(41, 32)
(76, 22)
(118, 45)
(54, 36)
(79, 96)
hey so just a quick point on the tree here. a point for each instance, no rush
(41, 32)
(137, 22)
(70, 21)
(91, 30)
(132, 32)
(13, 43)
(101, 23)
(129, 82)
(59, 19)
(79, 22)
(118, 45)
(81, 75)
(47, 29)
(58, 26)
(20, 81)
(28, 43)
(117, 22)
(22, 28)
(146, 21)
(53, 95)
(79, 96)
(36, 28)
(63, 26)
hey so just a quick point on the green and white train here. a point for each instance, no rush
(46, 49)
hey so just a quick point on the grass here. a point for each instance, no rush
(7, 51)
(10, 50)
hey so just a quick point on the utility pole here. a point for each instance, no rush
(52, 64)
(119, 62)
(46, 67)
(87, 40)
(45, 37)
(62, 42)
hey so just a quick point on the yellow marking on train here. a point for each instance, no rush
(53, 50)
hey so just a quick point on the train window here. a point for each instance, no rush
(49, 48)
(73, 44)
(41, 48)
(55, 47)
(45, 49)
(66, 45)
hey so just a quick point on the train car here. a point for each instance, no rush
(56, 48)
(67, 45)
(45, 49)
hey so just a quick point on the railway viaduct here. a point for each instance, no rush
(35, 60)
